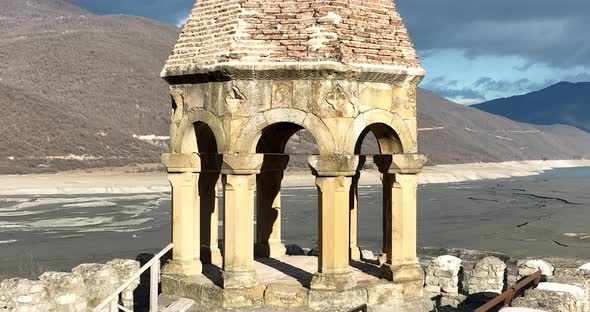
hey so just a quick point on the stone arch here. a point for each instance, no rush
(201, 125)
(275, 137)
(391, 131)
(388, 140)
(252, 131)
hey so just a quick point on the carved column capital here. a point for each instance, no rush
(242, 164)
(334, 165)
(179, 163)
(400, 163)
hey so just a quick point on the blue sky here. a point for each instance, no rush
(473, 50)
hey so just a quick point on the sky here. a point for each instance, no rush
(472, 50)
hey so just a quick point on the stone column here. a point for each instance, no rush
(355, 252)
(333, 179)
(400, 182)
(268, 207)
(183, 173)
(210, 252)
(239, 181)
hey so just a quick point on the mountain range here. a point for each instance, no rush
(562, 103)
(80, 90)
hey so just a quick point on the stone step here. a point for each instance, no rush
(180, 305)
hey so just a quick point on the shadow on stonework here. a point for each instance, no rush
(142, 292)
(468, 305)
(300, 275)
(213, 273)
(367, 268)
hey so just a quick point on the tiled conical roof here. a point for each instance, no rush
(350, 32)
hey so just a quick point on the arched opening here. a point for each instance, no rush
(285, 147)
(367, 195)
(378, 138)
(201, 139)
(206, 141)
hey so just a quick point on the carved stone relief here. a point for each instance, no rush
(340, 102)
(233, 99)
(177, 111)
(282, 94)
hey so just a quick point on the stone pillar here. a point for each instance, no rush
(487, 277)
(355, 252)
(442, 275)
(183, 173)
(530, 267)
(400, 182)
(209, 193)
(268, 207)
(333, 179)
(239, 181)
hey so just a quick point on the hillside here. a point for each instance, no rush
(453, 133)
(96, 76)
(563, 103)
(80, 91)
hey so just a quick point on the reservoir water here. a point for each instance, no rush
(540, 216)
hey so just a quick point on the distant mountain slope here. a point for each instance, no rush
(40, 135)
(97, 76)
(453, 133)
(79, 90)
(39, 8)
(563, 103)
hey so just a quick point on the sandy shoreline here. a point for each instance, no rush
(119, 182)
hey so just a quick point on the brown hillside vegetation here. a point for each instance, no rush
(75, 88)
(471, 135)
(78, 84)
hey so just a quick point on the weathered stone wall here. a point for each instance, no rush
(488, 276)
(442, 275)
(80, 290)
(335, 112)
(564, 287)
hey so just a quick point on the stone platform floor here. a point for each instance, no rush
(295, 270)
(284, 286)
(300, 270)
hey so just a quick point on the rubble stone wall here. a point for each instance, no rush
(80, 290)
(563, 288)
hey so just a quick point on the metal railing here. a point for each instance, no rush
(153, 265)
(507, 296)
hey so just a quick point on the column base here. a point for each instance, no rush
(331, 300)
(332, 281)
(355, 253)
(198, 288)
(277, 250)
(402, 272)
(185, 268)
(244, 279)
(411, 276)
(211, 255)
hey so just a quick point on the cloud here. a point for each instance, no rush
(449, 89)
(542, 31)
(519, 45)
(180, 23)
(468, 102)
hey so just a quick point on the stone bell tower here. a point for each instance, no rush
(245, 75)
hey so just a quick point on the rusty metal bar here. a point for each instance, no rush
(509, 294)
